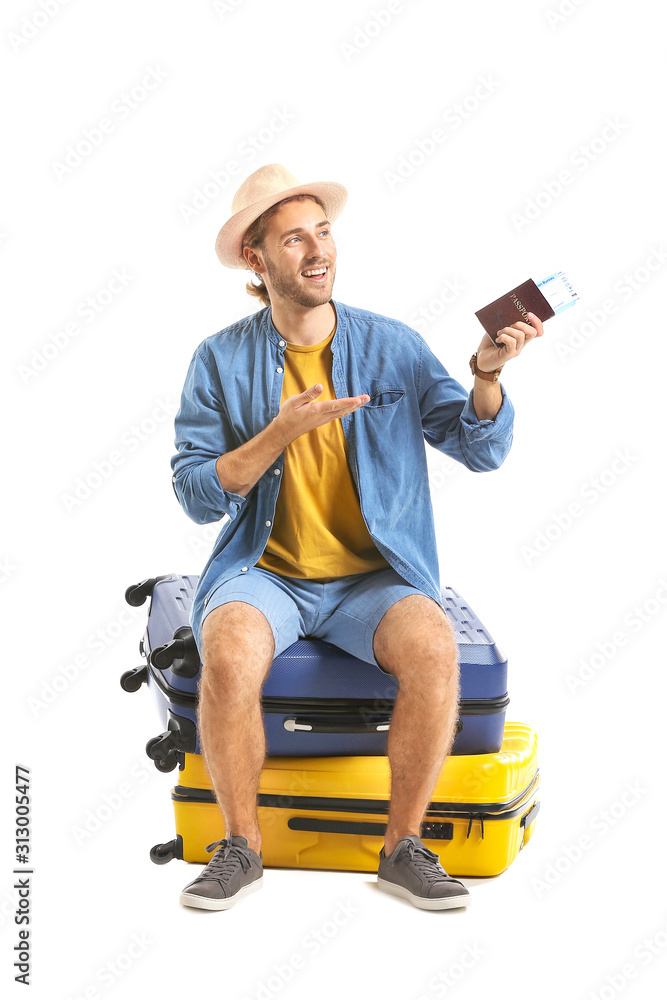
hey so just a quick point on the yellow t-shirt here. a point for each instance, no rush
(318, 530)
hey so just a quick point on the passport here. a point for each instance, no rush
(545, 298)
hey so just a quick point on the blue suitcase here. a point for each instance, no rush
(318, 700)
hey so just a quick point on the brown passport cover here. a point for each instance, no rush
(505, 311)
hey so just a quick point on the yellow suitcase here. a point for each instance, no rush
(330, 812)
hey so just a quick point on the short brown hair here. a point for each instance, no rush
(255, 235)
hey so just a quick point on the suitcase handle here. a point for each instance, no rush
(530, 815)
(301, 723)
(354, 725)
(429, 830)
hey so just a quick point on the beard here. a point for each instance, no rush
(291, 287)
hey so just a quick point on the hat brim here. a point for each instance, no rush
(228, 245)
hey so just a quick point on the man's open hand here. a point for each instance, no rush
(301, 413)
(512, 340)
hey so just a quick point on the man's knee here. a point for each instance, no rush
(415, 638)
(237, 642)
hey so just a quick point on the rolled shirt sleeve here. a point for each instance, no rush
(450, 423)
(202, 435)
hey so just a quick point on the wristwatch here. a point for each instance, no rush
(486, 376)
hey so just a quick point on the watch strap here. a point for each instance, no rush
(485, 376)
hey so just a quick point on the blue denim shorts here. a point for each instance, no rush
(344, 611)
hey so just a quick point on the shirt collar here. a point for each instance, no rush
(341, 326)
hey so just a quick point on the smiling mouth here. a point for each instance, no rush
(316, 274)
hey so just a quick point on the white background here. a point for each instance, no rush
(564, 920)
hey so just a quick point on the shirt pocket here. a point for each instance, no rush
(384, 396)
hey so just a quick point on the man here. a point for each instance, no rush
(305, 424)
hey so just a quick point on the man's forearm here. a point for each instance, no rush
(239, 470)
(487, 399)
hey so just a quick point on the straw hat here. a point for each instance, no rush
(260, 191)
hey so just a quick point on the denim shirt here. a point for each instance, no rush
(233, 390)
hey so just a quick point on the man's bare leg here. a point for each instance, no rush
(237, 653)
(415, 641)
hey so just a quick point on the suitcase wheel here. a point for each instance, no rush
(163, 760)
(136, 594)
(133, 679)
(161, 854)
(180, 654)
(167, 763)
(160, 746)
(163, 750)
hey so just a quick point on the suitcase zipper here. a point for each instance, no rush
(275, 704)
(435, 811)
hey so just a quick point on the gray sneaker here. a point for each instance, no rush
(235, 870)
(414, 872)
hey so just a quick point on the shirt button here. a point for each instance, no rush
(244, 569)
(173, 479)
(282, 343)
(276, 472)
(279, 370)
(268, 524)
